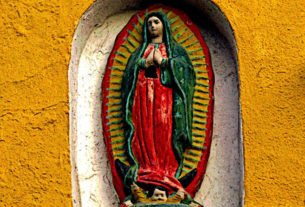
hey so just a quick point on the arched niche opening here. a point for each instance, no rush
(92, 44)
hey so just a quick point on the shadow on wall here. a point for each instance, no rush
(92, 44)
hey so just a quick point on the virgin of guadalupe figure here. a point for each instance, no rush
(157, 95)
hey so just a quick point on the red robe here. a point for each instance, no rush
(152, 140)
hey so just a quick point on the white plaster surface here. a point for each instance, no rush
(93, 170)
(91, 157)
(91, 176)
(221, 185)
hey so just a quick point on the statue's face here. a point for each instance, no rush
(155, 26)
(159, 195)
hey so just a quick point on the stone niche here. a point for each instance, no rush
(92, 44)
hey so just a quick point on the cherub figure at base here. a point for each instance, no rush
(156, 194)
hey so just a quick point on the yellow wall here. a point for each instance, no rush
(35, 38)
(34, 108)
(270, 38)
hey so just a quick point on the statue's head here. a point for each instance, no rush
(155, 27)
(156, 24)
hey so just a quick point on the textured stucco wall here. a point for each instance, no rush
(35, 40)
(270, 37)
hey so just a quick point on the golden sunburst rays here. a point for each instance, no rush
(115, 112)
(186, 38)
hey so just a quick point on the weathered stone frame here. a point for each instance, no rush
(91, 176)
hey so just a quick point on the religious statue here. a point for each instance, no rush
(158, 86)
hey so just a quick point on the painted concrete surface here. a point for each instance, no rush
(270, 41)
(35, 38)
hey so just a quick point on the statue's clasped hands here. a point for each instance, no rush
(154, 58)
